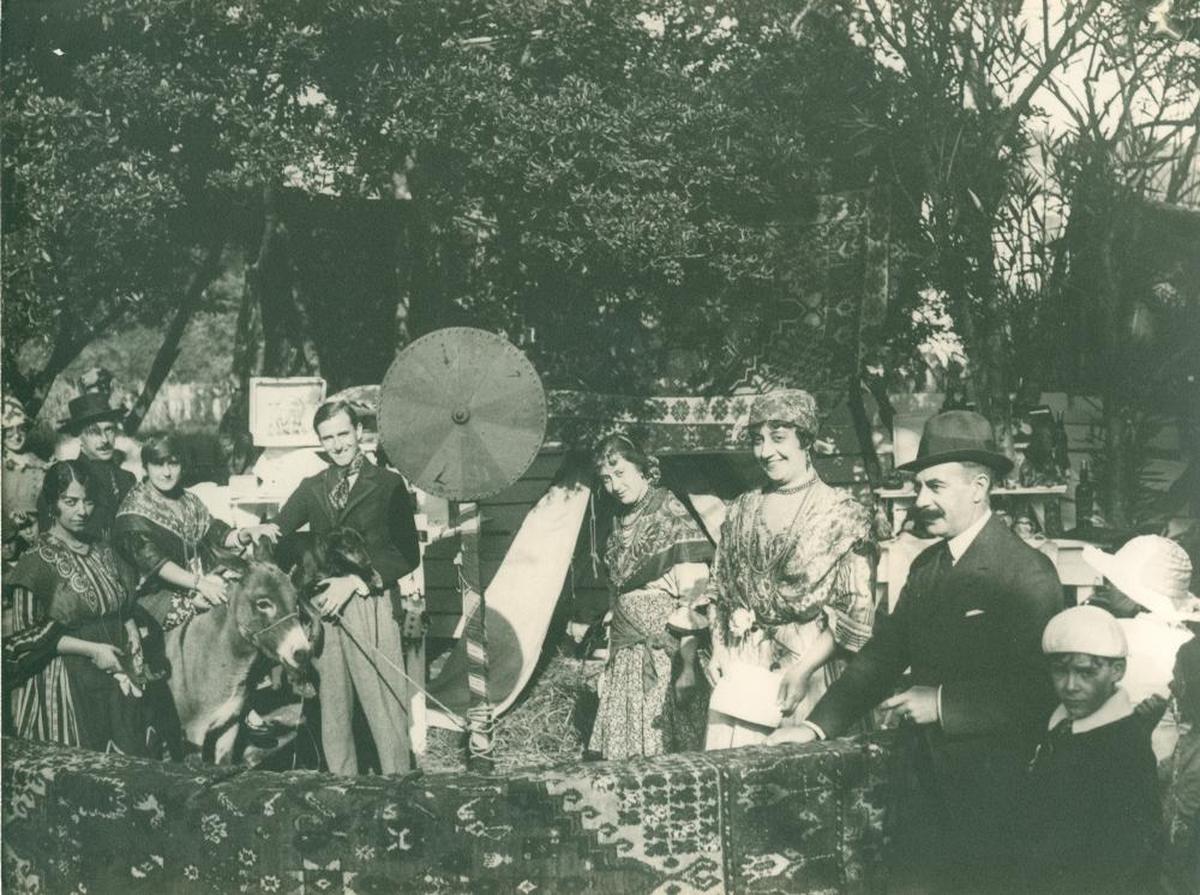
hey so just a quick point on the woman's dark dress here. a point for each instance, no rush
(66, 699)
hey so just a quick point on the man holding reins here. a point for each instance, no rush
(362, 653)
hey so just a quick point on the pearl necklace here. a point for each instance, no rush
(794, 489)
(635, 510)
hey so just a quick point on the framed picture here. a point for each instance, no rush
(281, 410)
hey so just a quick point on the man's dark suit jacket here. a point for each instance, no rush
(974, 629)
(379, 508)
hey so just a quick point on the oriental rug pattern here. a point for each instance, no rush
(757, 820)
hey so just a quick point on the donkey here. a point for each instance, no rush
(213, 655)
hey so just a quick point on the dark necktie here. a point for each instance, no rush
(943, 561)
(341, 491)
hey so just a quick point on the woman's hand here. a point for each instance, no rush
(792, 687)
(210, 591)
(106, 657)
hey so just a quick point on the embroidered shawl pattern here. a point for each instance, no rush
(187, 518)
(789, 576)
(663, 535)
(94, 582)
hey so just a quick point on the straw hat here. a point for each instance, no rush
(1153, 570)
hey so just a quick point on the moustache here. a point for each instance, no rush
(925, 515)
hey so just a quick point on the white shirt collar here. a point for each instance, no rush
(960, 542)
(1115, 708)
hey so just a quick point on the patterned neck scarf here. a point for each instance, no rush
(341, 491)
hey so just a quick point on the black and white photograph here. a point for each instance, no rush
(600, 447)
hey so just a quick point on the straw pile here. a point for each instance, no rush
(546, 727)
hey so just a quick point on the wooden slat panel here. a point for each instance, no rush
(545, 466)
(528, 490)
(504, 519)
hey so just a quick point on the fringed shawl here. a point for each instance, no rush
(789, 576)
(661, 535)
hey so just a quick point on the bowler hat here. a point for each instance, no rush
(92, 407)
(958, 436)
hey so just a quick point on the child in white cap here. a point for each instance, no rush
(1154, 572)
(1094, 812)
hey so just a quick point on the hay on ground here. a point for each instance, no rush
(546, 727)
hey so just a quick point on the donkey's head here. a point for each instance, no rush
(263, 604)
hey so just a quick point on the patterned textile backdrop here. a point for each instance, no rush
(760, 820)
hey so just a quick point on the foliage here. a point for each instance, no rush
(606, 192)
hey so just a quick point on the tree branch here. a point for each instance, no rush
(1021, 105)
(169, 350)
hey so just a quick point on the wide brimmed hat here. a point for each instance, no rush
(958, 436)
(13, 413)
(1150, 569)
(86, 409)
(786, 405)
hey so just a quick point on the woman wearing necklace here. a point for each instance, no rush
(792, 587)
(168, 536)
(71, 662)
(657, 561)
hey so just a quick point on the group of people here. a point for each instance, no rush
(1027, 765)
(109, 566)
(1034, 736)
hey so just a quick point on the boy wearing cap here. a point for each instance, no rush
(1094, 813)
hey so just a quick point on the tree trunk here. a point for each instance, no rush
(169, 350)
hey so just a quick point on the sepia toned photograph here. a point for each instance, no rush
(600, 447)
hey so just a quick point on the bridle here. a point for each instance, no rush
(252, 637)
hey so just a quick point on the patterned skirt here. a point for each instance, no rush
(638, 713)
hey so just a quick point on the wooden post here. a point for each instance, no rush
(475, 632)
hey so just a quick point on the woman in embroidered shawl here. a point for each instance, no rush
(792, 586)
(168, 536)
(71, 662)
(657, 560)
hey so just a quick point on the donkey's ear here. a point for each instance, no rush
(230, 561)
(264, 550)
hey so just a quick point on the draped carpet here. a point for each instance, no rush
(760, 820)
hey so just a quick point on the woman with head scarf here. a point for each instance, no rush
(792, 588)
(657, 561)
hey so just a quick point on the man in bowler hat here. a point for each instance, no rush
(968, 624)
(97, 424)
